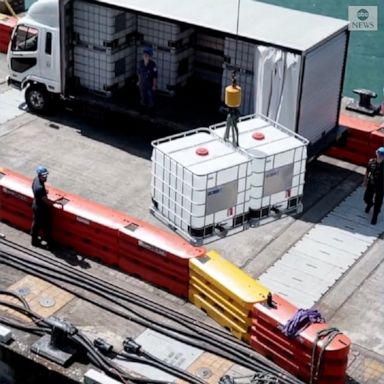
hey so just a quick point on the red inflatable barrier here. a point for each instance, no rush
(138, 248)
(358, 146)
(354, 144)
(16, 199)
(376, 140)
(89, 228)
(351, 156)
(358, 128)
(156, 256)
(303, 355)
(7, 24)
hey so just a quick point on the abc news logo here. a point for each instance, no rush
(362, 18)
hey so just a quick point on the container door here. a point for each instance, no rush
(321, 88)
(66, 44)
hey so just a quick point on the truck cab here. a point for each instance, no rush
(34, 55)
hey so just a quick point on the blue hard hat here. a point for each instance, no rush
(380, 151)
(148, 51)
(42, 171)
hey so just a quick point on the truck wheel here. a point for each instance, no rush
(37, 99)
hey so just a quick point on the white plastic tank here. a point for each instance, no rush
(200, 185)
(278, 165)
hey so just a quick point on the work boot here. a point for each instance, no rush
(52, 246)
(374, 220)
(35, 242)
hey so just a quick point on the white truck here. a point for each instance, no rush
(290, 64)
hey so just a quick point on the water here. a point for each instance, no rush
(28, 3)
(365, 61)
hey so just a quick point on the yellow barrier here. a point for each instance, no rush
(224, 292)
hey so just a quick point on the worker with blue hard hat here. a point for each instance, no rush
(374, 183)
(42, 220)
(147, 81)
(42, 171)
(148, 51)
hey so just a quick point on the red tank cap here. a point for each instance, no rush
(201, 151)
(258, 136)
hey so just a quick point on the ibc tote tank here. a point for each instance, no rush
(200, 185)
(278, 166)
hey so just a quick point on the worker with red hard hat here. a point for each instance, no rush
(374, 183)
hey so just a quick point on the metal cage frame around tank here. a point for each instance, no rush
(293, 210)
(215, 234)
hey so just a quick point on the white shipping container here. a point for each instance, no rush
(278, 165)
(162, 33)
(100, 26)
(174, 67)
(207, 41)
(211, 76)
(208, 58)
(200, 184)
(104, 72)
(240, 53)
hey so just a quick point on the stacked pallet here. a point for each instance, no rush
(7, 24)
(209, 57)
(362, 139)
(105, 51)
(240, 56)
(172, 51)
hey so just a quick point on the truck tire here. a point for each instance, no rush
(37, 99)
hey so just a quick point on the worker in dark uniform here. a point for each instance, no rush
(147, 82)
(374, 182)
(42, 220)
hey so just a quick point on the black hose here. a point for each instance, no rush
(23, 310)
(23, 327)
(187, 321)
(95, 356)
(145, 358)
(219, 349)
(139, 319)
(109, 365)
(18, 297)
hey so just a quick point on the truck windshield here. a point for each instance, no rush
(25, 39)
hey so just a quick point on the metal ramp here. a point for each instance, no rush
(314, 264)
